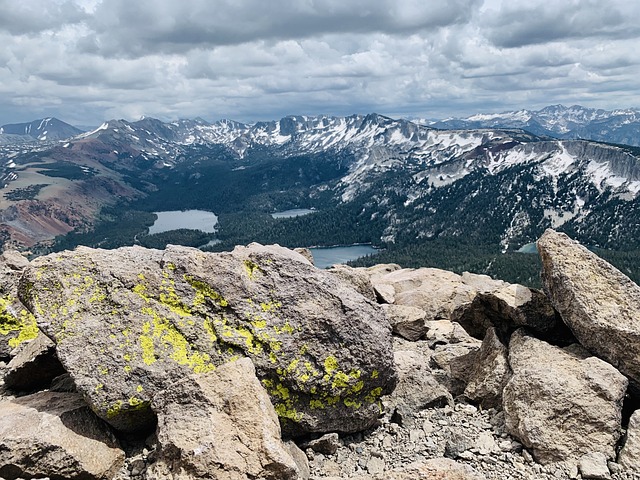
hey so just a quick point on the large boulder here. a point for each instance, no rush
(220, 425)
(562, 403)
(128, 323)
(50, 434)
(437, 292)
(599, 303)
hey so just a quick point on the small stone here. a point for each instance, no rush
(375, 465)
(593, 465)
(137, 466)
(415, 435)
(614, 467)
(327, 444)
(527, 456)
(427, 427)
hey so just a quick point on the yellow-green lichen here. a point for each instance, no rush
(205, 291)
(251, 268)
(173, 341)
(115, 409)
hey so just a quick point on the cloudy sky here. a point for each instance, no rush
(85, 61)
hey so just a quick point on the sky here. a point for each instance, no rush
(86, 61)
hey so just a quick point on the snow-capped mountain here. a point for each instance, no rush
(45, 129)
(558, 121)
(412, 182)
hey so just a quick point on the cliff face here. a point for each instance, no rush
(223, 355)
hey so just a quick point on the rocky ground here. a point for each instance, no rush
(180, 365)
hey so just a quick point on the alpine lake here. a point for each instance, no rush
(205, 221)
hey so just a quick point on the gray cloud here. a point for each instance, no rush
(536, 22)
(90, 60)
(36, 16)
(123, 27)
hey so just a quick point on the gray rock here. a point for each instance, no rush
(417, 388)
(629, 456)
(34, 366)
(357, 277)
(593, 465)
(560, 403)
(406, 321)
(220, 425)
(327, 444)
(300, 459)
(129, 322)
(600, 304)
(14, 260)
(306, 253)
(510, 307)
(457, 444)
(485, 371)
(441, 332)
(438, 292)
(375, 465)
(51, 434)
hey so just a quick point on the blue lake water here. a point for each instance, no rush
(528, 248)
(295, 212)
(191, 219)
(324, 257)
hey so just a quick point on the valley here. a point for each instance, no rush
(454, 199)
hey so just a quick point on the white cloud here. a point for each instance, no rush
(90, 60)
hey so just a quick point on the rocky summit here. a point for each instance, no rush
(136, 364)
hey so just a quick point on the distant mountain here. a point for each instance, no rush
(45, 129)
(559, 121)
(370, 178)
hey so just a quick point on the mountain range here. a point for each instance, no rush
(558, 121)
(371, 178)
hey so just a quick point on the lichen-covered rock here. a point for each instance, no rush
(130, 322)
(17, 325)
(599, 303)
(55, 435)
(562, 403)
(485, 371)
(220, 425)
(34, 366)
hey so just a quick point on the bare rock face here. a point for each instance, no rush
(417, 388)
(485, 371)
(406, 321)
(437, 292)
(220, 425)
(357, 277)
(34, 366)
(510, 307)
(629, 456)
(128, 323)
(55, 435)
(562, 403)
(600, 304)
